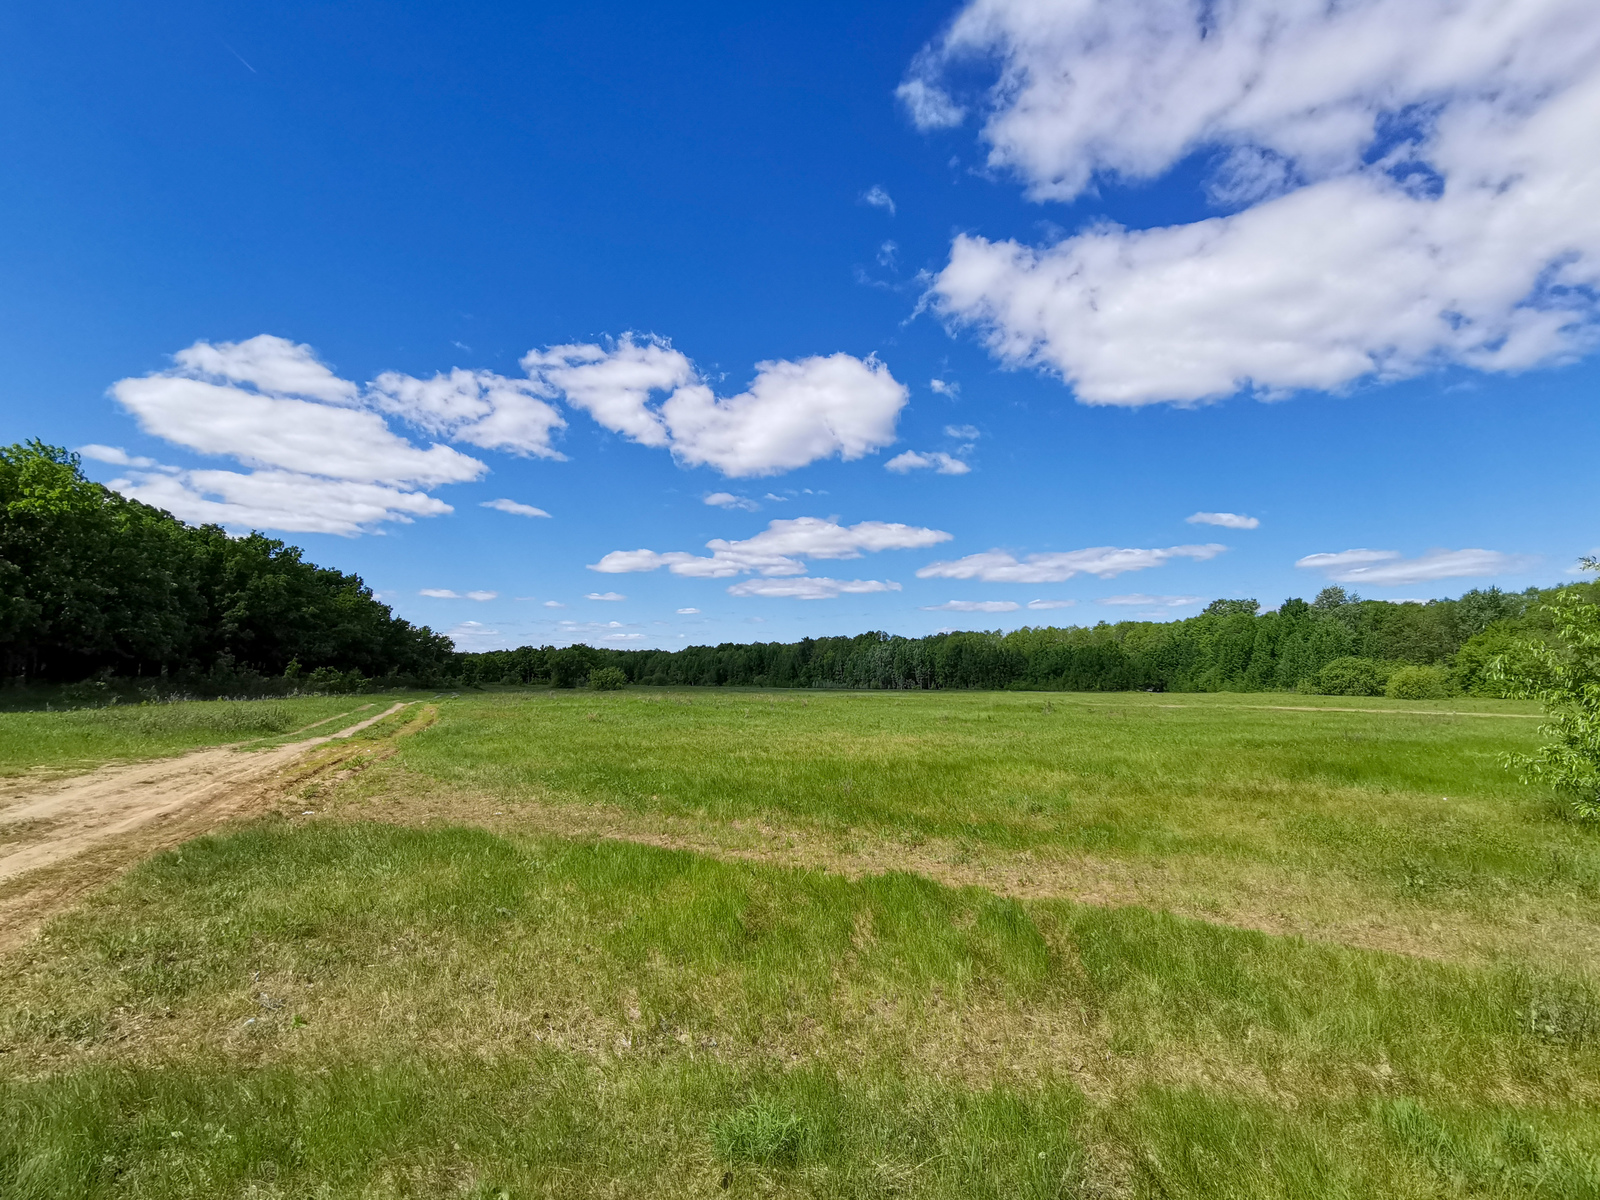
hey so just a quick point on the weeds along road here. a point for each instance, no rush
(124, 812)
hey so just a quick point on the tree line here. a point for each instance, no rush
(1336, 643)
(94, 584)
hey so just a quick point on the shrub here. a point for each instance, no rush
(607, 679)
(1418, 683)
(1351, 676)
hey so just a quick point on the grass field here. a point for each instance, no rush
(781, 944)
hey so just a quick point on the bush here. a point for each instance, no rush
(1351, 676)
(607, 679)
(1418, 683)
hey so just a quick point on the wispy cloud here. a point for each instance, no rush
(878, 198)
(1389, 568)
(983, 606)
(514, 508)
(612, 596)
(1000, 566)
(1226, 520)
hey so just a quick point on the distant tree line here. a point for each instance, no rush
(1337, 643)
(92, 583)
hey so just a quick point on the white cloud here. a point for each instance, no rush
(928, 105)
(966, 433)
(912, 460)
(878, 198)
(476, 407)
(440, 594)
(804, 588)
(793, 413)
(779, 549)
(473, 635)
(554, 604)
(686, 612)
(281, 500)
(946, 387)
(1225, 520)
(1388, 568)
(117, 457)
(1041, 604)
(984, 606)
(514, 508)
(481, 596)
(1416, 198)
(998, 566)
(729, 500)
(322, 463)
(1144, 601)
(604, 596)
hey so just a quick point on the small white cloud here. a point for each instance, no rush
(481, 596)
(1041, 604)
(472, 635)
(1388, 568)
(878, 198)
(440, 593)
(937, 460)
(1225, 520)
(116, 456)
(804, 588)
(775, 498)
(887, 253)
(604, 596)
(554, 604)
(928, 105)
(687, 612)
(777, 550)
(999, 566)
(1144, 601)
(946, 387)
(515, 508)
(729, 500)
(983, 606)
(966, 433)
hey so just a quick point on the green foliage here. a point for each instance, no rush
(607, 679)
(1418, 683)
(1566, 680)
(92, 583)
(1351, 676)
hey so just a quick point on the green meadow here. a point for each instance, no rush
(747, 943)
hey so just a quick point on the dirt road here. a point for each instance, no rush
(59, 840)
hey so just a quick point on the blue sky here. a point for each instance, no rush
(1079, 271)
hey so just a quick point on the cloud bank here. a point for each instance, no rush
(1413, 186)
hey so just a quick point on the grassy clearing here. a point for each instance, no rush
(380, 1011)
(450, 1001)
(90, 737)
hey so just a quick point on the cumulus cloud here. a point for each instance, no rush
(1144, 601)
(685, 612)
(878, 198)
(604, 596)
(792, 413)
(780, 549)
(729, 500)
(281, 500)
(515, 508)
(1225, 520)
(999, 566)
(1413, 193)
(476, 407)
(554, 604)
(1389, 568)
(937, 460)
(984, 606)
(946, 387)
(805, 588)
(117, 457)
(480, 596)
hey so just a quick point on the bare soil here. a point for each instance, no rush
(60, 839)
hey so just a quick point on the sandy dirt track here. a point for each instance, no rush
(59, 839)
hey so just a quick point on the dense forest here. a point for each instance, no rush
(93, 584)
(1337, 643)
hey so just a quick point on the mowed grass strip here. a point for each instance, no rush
(86, 738)
(360, 1009)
